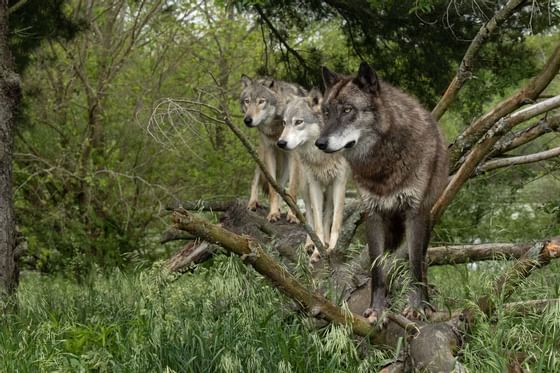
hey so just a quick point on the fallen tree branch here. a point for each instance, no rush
(285, 238)
(251, 252)
(190, 255)
(458, 254)
(530, 306)
(438, 355)
(537, 256)
(464, 72)
(522, 159)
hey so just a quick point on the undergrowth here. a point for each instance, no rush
(225, 318)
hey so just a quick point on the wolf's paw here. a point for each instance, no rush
(315, 257)
(273, 216)
(423, 312)
(309, 247)
(291, 218)
(376, 317)
(253, 205)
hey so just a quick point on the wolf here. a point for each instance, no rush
(399, 161)
(263, 102)
(324, 175)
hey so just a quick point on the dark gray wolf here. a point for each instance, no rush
(324, 176)
(399, 160)
(263, 102)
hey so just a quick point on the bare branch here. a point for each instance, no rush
(273, 29)
(464, 72)
(516, 139)
(16, 6)
(522, 159)
(457, 254)
(485, 145)
(529, 93)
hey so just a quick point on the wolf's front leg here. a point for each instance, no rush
(254, 197)
(316, 196)
(338, 193)
(418, 229)
(273, 198)
(375, 232)
(293, 162)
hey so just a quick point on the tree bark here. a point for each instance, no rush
(9, 99)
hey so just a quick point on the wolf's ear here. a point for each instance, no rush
(329, 78)
(271, 84)
(315, 98)
(367, 79)
(245, 81)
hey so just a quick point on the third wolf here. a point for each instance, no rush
(399, 161)
(263, 102)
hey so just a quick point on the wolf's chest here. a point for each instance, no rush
(398, 200)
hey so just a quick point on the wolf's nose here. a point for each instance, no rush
(322, 143)
(248, 120)
(282, 143)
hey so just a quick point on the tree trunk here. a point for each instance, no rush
(9, 98)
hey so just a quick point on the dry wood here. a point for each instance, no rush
(285, 238)
(522, 159)
(516, 139)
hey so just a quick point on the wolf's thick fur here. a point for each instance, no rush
(263, 102)
(399, 161)
(324, 176)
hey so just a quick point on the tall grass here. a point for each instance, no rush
(225, 318)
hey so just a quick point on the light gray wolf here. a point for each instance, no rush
(324, 176)
(263, 102)
(399, 161)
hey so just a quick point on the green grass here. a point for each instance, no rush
(225, 318)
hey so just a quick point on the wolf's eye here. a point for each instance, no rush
(347, 109)
(298, 122)
(246, 101)
(261, 101)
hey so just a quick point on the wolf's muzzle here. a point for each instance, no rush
(322, 143)
(282, 144)
(248, 121)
